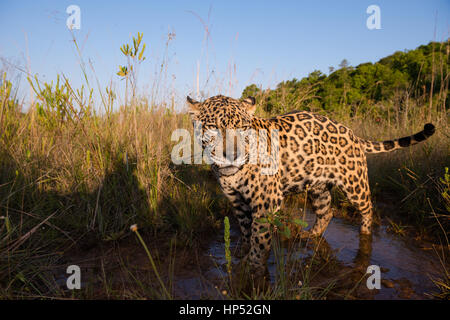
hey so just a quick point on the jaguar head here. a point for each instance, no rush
(222, 125)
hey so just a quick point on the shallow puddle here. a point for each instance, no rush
(338, 262)
(406, 270)
(404, 264)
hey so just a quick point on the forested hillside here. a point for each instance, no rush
(387, 89)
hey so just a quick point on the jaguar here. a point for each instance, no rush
(314, 153)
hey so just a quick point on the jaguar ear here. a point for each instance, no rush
(250, 105)
(193, 107)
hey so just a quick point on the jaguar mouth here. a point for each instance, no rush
(227, 170)
(223, 162)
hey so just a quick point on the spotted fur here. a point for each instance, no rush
(315, 153)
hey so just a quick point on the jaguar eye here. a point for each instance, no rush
(243, 129)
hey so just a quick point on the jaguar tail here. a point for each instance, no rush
(391, 145)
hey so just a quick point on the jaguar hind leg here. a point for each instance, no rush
(358, 193)
(320, 202)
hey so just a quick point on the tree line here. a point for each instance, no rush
(389, 88)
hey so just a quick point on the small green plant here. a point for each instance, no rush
(446, 189)
(8, 104)
(397, 228)
(227, 244)
(135, 56)
(281, 222)
(55, 102)
(443, 282)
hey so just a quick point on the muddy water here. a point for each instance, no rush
(404, 264)
(406, 270)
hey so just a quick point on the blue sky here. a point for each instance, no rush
(262, 42)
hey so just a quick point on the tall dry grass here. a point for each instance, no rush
(71, 176)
